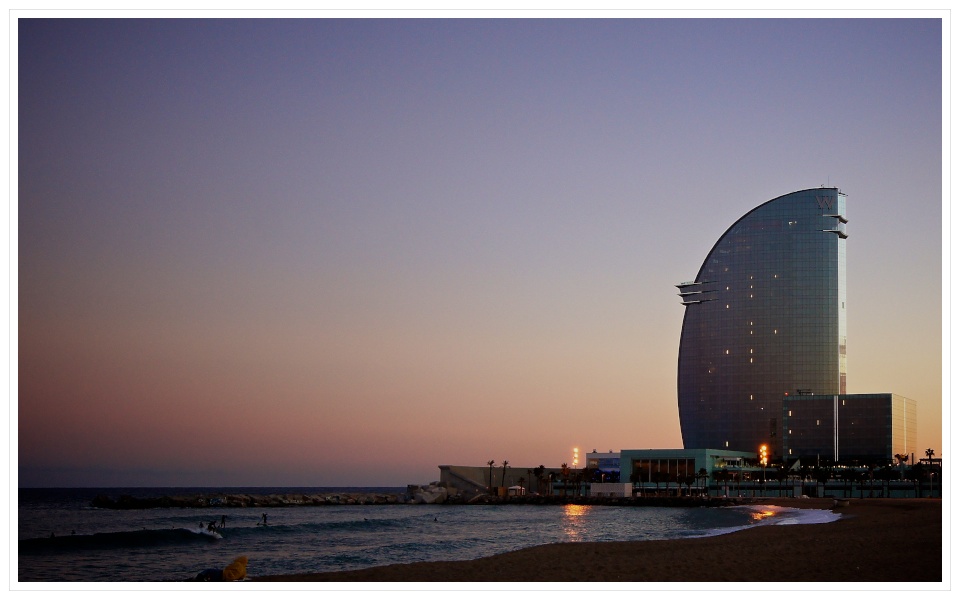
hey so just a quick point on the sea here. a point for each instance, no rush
(62, 538)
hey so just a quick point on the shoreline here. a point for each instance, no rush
(877, 539)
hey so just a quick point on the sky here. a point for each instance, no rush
(337, 252)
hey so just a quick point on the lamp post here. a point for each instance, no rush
(762, 455)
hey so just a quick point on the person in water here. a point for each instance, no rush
(264, 518)
(223, 521)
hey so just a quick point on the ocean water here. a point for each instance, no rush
(62, 538)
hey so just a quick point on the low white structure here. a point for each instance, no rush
(611, 490)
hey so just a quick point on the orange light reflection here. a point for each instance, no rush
(574, 521)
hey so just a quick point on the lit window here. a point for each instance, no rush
(818, 422)
(751, 396)
(727, 352)
(726, 444)
(789, 413)
(790, 432)
(751, 360)
(751, 350)
(728, 288)
(728, 306)
(774, 332)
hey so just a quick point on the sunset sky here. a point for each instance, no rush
(343, 252)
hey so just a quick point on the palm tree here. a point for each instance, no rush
(901, 460)
(530, 476)
(724, 476)
(822, 476)
(490, 480)
(503, 478)
(564, 477)
(929, 452)
(522, 481)
(660, 476)
(886, 474)
(915, 472)
(702, 476)
(538, 473)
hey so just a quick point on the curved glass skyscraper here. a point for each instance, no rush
(764, 318)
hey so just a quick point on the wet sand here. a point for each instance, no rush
(875, 540)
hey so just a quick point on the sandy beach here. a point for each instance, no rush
(876, 540)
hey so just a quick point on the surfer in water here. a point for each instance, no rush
(264, 518)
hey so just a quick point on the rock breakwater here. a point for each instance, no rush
(434, 493)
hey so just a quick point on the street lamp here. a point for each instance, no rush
(762, 456)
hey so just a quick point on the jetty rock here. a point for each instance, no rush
(245, 500)
(433, 493)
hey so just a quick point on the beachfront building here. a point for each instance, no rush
(683, 470)
(764, 317)
(850, 427)
(763, 346)
(605, 466)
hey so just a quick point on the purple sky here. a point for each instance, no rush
(341, 252)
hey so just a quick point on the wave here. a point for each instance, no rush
(118, 539)
(764, 514)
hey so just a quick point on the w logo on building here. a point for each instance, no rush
(825, 202)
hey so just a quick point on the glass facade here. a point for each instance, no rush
(864, 427)
(764, 318)
(652, 470)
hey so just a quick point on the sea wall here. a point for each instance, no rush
(433, 493)
(428, 494)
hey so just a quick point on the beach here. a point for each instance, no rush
(875, 540)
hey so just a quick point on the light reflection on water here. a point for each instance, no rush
(574, 521)
(760, 515)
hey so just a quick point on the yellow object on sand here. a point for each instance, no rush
(237, 570)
